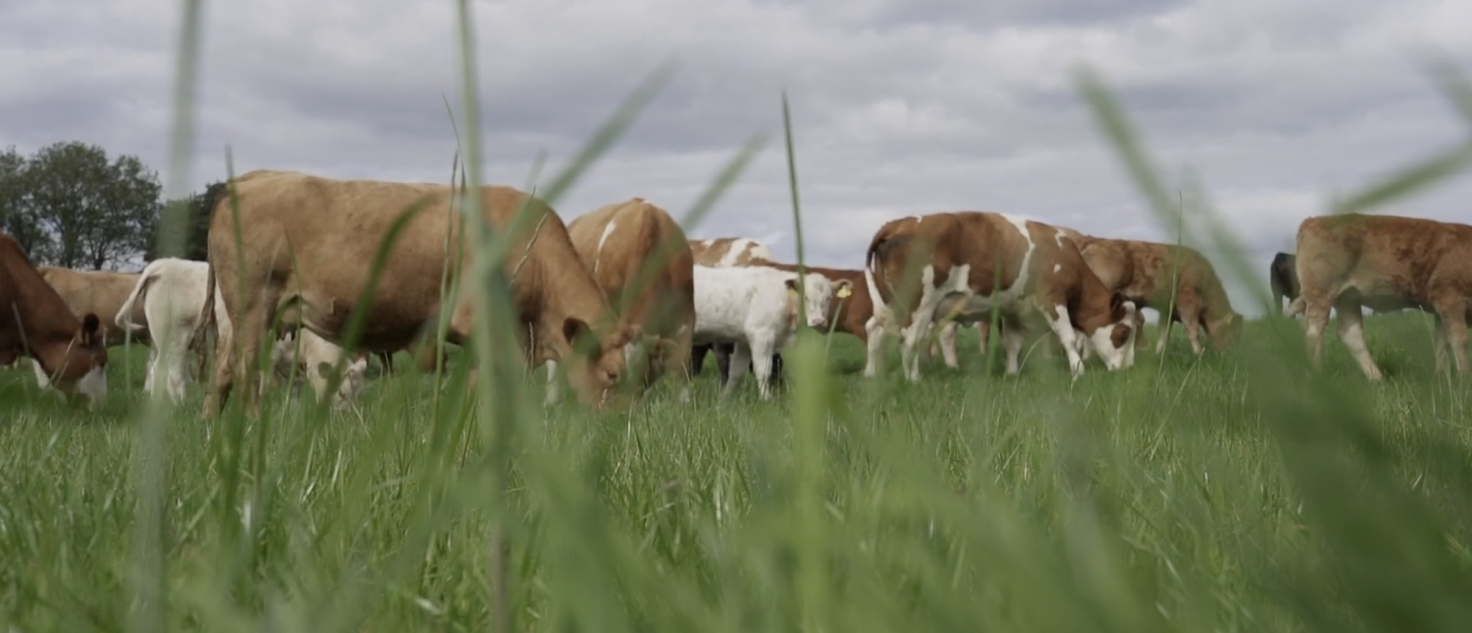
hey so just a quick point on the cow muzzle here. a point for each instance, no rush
(817, 322)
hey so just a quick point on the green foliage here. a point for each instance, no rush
(69, 205)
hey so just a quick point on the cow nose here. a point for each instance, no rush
(817, 322)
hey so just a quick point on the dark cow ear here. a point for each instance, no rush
(792, 285)
(90, 323)
(580, 336)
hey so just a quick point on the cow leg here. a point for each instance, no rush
(1351, 329)
(983, 336)
(1315, 320)
(1451, 316)
(1191, 320)
(1438, 341)
(554, 387)
(1167, 321)
(776, 369)
(697, 358)
(874, 346)
(947, 340)
(674, 351)
(151, 367)
(723, 360)
(1012, 340)
(170, 365)
(1139, 332)
(761, 360)
(739, 357)
(1063, 329)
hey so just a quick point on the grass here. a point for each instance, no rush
(1133, 501)
(1238, 492)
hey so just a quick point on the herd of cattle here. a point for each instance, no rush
(623, 290)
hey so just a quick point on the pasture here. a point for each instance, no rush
(1234, 492)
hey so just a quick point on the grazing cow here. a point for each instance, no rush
(641, 261)
(1386, 263)
(724, 252)
(306, 240)
(319, 358)
(946, 263)
(1142, 272)
(99, 292)
(170, 292)
(755, 307)
(36, 322)
(1283, 279)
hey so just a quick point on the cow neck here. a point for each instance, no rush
(43, 335)
(1094, 298)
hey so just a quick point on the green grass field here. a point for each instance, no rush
(1230, 493)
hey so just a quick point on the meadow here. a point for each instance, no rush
(1230, 492)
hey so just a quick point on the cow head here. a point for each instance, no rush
(352, 380)
(1224, 331)
(818, 292)
(1115, 340)
(82, 368)
(596, 363)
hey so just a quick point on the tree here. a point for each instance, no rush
(17, 217)
(199, 208)
(99, 212)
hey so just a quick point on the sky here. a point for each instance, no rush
(899, 107)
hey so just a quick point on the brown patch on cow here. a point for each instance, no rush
(36, 322)
(718, 251)
(1387, 263)
(645, 271)
(308, 241)
(1142, 272)
(102, 293)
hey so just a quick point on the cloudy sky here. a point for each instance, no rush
(900, 106)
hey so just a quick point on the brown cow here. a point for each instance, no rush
(307, 241)
(1386, 263)
(1044, 281)
(636, 247)
(99, 292)
(721, 252)
(1142, 272)
(35, 322)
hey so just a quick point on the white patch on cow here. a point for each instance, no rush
(598, 255)
(1063, 329)
(42, 379)
(1057, 267)
(1059, 236)
(94, 386)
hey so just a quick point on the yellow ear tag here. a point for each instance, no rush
(792, 291)
(844, 292)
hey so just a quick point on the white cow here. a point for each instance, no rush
(317, 356)
(172, 291)
(755, 307)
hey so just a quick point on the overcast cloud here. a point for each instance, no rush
(900, 106)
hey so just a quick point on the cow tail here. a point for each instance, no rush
(124, 317)
(206, 321)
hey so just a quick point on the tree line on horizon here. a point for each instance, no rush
(70, 205)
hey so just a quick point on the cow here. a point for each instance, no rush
(1387, 263)
(946, 263)
(755, 307)
(303, 349)
(641, 261)
(305, 240)
(36, 322)
(100, 292)
(1283, 280)
(170, 293)
(1142, 272)
(728, 251)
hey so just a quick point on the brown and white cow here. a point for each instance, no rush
(947, 263)
(1386, 263)
(1142, 272)
(100, 292)
(640, 260)
(35, 322)
(307, 244)
(719, 252)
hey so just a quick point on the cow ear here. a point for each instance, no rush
(792, 287)
(580, 337)
(90, 323)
